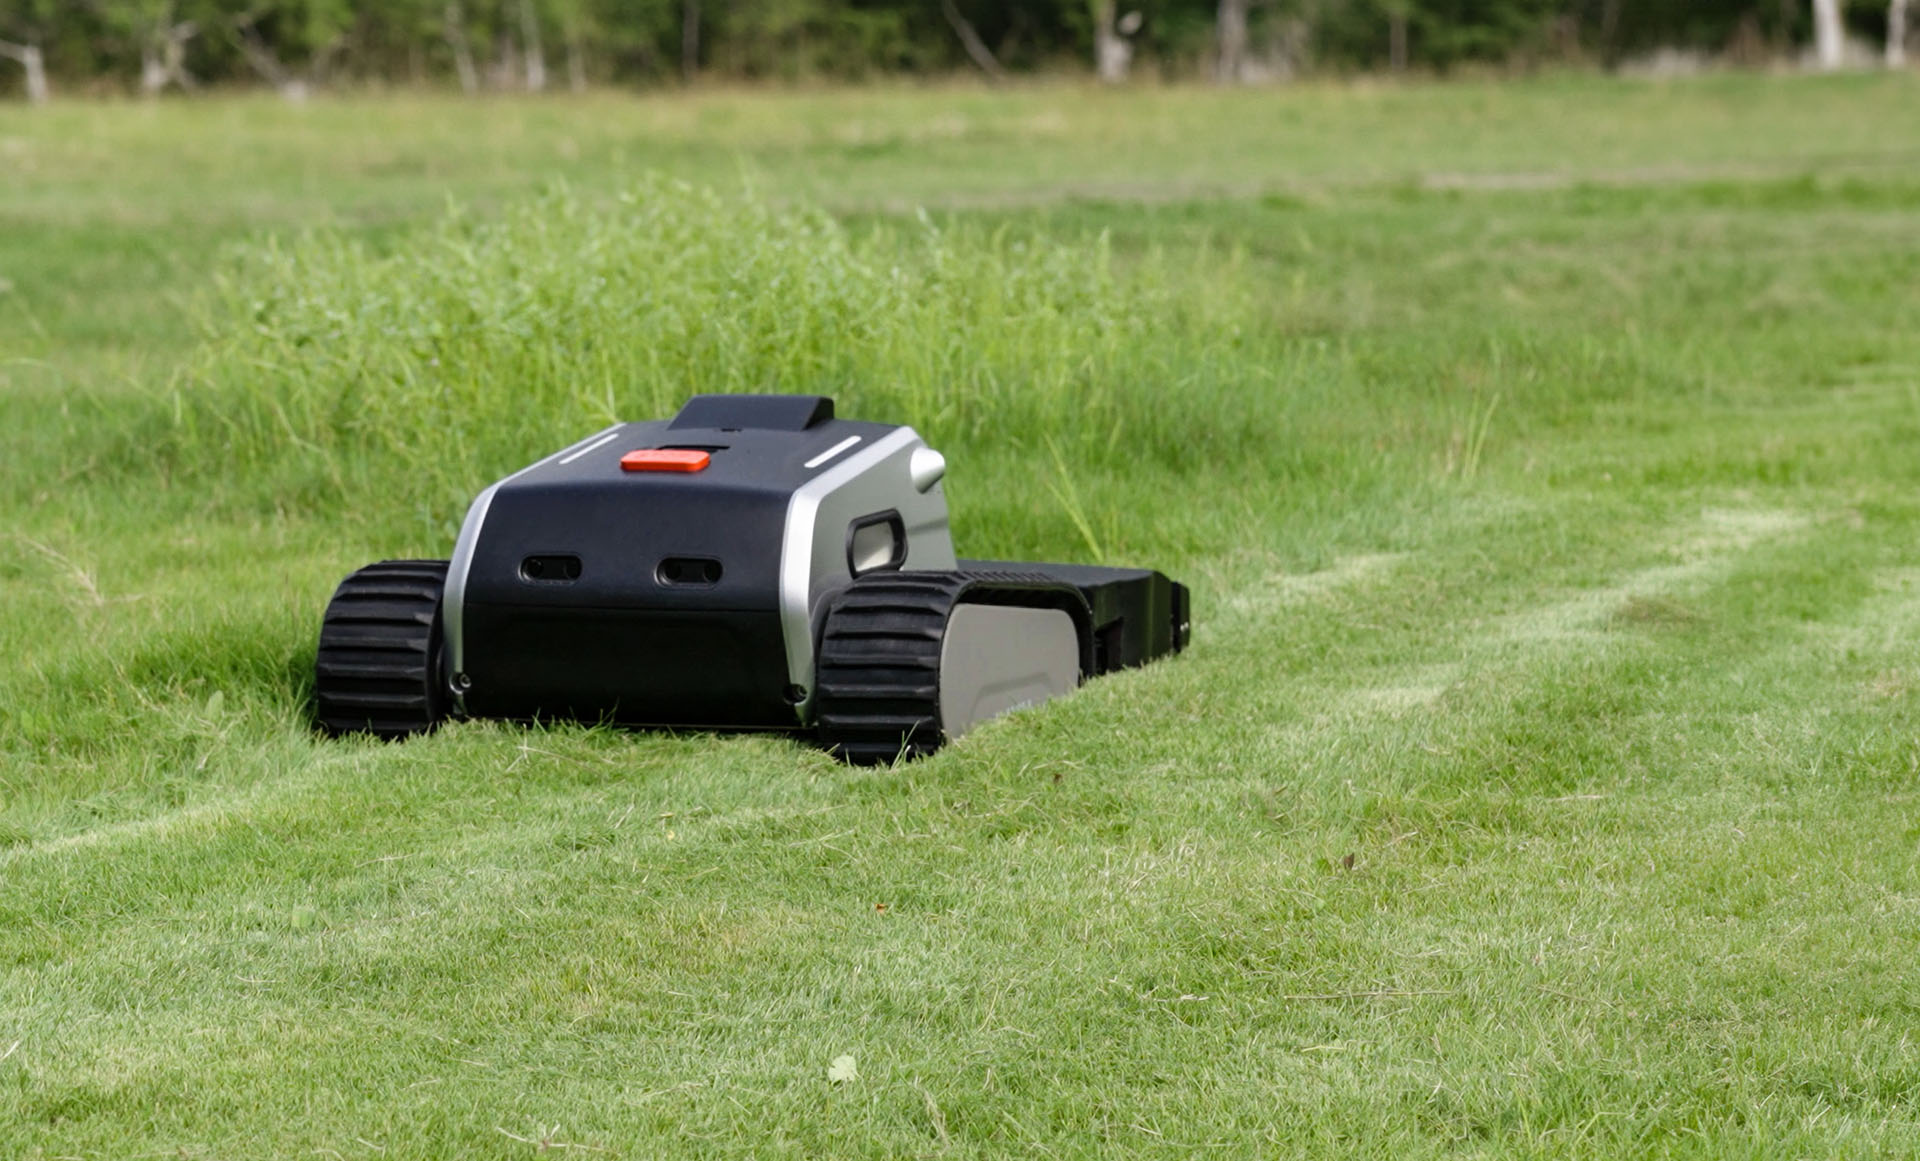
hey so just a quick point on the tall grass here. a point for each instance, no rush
(473, 345)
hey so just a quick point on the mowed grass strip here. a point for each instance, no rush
(1539, 781)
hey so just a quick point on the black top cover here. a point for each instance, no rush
(755, 412)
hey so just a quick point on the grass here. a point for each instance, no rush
(1541, 780)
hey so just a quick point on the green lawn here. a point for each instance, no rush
(1542, 780)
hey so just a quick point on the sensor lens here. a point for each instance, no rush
(873, 546)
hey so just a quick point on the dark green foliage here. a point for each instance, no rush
(103, 43)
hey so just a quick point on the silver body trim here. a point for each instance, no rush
(831, 452)
(813, 551)
(994, 659)
(598, 443)
(453, 601)
(927, 468)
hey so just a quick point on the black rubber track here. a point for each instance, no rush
(378, 670)
(877, 671)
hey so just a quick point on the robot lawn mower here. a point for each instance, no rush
(752, 563)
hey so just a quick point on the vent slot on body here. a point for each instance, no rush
(688, 570)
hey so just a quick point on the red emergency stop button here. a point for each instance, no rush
(664, 459)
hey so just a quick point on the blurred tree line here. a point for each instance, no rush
(151, 46)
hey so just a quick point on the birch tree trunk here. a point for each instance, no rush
(36, 66)
(536, 56)
(1231, 23)
(153, 74)
(1397, 39)
(291, 87)
(977, 49)
(1112, 55)
(32, 60)
(454, 28)
(1828, 37)
(576, 63)
(1896, 34)
(503, 71)
(163, 56)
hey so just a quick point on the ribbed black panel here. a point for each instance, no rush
(877, 675)
(378, 670)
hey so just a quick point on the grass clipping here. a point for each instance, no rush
(474, 346)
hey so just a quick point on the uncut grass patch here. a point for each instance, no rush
(339, 373)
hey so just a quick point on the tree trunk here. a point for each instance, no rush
(1231, 24)
(1829, 38)
(576, 63)
(1896, 34)
(1610, 28)
(1016, 27)
(153, 74)
(163, 57)
(320, 64)
(291, 86)
(536, 55)
(689, 40)
(1292, 54)
(1111, 53)
(177, 61)
(1397, 40)
(454, 28)
(977, 49)
(32, 60)
(1566, 34)
(503, 71)
(263, 61)
(36, 66)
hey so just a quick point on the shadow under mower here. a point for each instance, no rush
(752, 563)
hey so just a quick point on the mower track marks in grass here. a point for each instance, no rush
(1708, 550)
(1284, 591)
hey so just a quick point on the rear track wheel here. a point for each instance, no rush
(379, 668)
